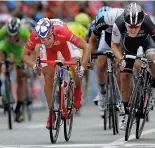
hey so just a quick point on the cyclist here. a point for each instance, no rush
(132, 29)
(105, 19)
(84, 19)
(56, 36)
(12, 38)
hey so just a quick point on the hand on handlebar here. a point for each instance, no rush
(122, 64)
(80, 71)
(37, 69)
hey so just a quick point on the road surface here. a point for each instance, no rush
(87, 132)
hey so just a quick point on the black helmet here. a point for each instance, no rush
(13, 26)
(133, 14)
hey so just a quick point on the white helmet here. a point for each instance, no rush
(111, 15)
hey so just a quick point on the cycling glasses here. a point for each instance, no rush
(133, 26)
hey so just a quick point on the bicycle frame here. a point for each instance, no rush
(60, 74)
(59, 64)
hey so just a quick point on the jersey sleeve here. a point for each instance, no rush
(99, 27)
(31, 42)
(116, 35)
(71, 37)
(3, 32)
(151, 27)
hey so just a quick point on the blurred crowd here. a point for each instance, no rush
(65, 10)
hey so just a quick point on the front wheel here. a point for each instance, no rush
(68, 123)
(141, 121)
(55, 114)
(133, 107)
(7, 102)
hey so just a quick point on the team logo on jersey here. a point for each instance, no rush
(29, 42)
(100, 25)
(115, 33)
(57, 43)
(60, 35)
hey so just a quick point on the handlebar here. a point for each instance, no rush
(139, 58)
(60, 62)
(98, 53)
(107, 53)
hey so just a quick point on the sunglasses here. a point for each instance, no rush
(133, 26)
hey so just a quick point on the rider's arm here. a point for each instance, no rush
(86, 52)
(3, 33)
(115, 42)
(92, 42)
(29, 49)
(150, 26)
(26, 57)
(79, 43)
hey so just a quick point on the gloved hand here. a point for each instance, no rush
(80, 71)
(37, 69)
(122, 64)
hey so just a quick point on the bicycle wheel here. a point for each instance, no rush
(105, 119)
(132, 109)
(8, 102)
(147, 118)
(112, 106)
(106, 111)
(28, 102)
(144, 111)
(116, 99)
(69, 122)
(29, 111)
(55, 114)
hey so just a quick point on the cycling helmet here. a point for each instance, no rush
(133, 14)
(101, 12)
(13, 26)
(83, 19)
(77, 29)
(43, 26)
(111, 15)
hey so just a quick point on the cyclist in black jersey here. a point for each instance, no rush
(131, 30)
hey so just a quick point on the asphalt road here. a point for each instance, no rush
(87, 132)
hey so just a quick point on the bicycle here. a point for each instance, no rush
(113, 93)
(28, 92)
(139, 100)
(7, 99)
(62, 98)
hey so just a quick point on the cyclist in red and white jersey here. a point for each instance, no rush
(56, 36)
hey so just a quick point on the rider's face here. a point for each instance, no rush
(48, 40)
(13, 39)
(133, 30)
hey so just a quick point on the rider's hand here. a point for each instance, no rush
(37, 69)
(80, 71)
(122, 64)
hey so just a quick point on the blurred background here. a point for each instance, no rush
(66, 10)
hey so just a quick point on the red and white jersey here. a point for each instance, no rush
(61, 35)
